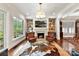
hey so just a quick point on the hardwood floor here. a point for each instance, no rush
(62, 51)
(12, 51)
(72, 44)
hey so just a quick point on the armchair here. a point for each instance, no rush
(31, 37)
(51, 37)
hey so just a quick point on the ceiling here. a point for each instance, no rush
(50, 9)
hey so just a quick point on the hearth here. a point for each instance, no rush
(40, 35)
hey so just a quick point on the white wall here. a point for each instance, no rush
(11, 11)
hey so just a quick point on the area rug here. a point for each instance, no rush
(41, 50)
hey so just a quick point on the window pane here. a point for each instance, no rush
(18, 27)
(65, 31)
(1, 29)
(70, 30)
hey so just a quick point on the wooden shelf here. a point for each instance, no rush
(29, 24)
(51, 25)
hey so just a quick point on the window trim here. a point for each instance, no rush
(17, 38)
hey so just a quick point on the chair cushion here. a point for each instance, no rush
(31, 35)
(50, 34)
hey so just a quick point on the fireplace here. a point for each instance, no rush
(40, 35)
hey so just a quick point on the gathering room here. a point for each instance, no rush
(39, 29)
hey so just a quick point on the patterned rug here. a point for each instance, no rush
(41, 49)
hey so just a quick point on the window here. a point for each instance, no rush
(64, 30)
(18, 27)
(68, 30)
(2, 17)
(71, 30)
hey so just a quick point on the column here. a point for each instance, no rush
(58, 27)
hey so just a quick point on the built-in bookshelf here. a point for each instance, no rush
(29, 25)
(51, 25)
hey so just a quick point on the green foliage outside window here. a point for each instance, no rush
(2, 18)
(1, 26)
(18, 27)
(1, 35)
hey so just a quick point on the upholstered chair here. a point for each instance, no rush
(51, 37)
(31, 37)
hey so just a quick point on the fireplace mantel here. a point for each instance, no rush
(40, 30)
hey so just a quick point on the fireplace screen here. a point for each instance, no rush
(40, 35)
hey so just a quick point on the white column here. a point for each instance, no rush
(25, 26)
(58, 27)
(7, 31)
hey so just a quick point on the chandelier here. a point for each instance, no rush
(40, 13)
